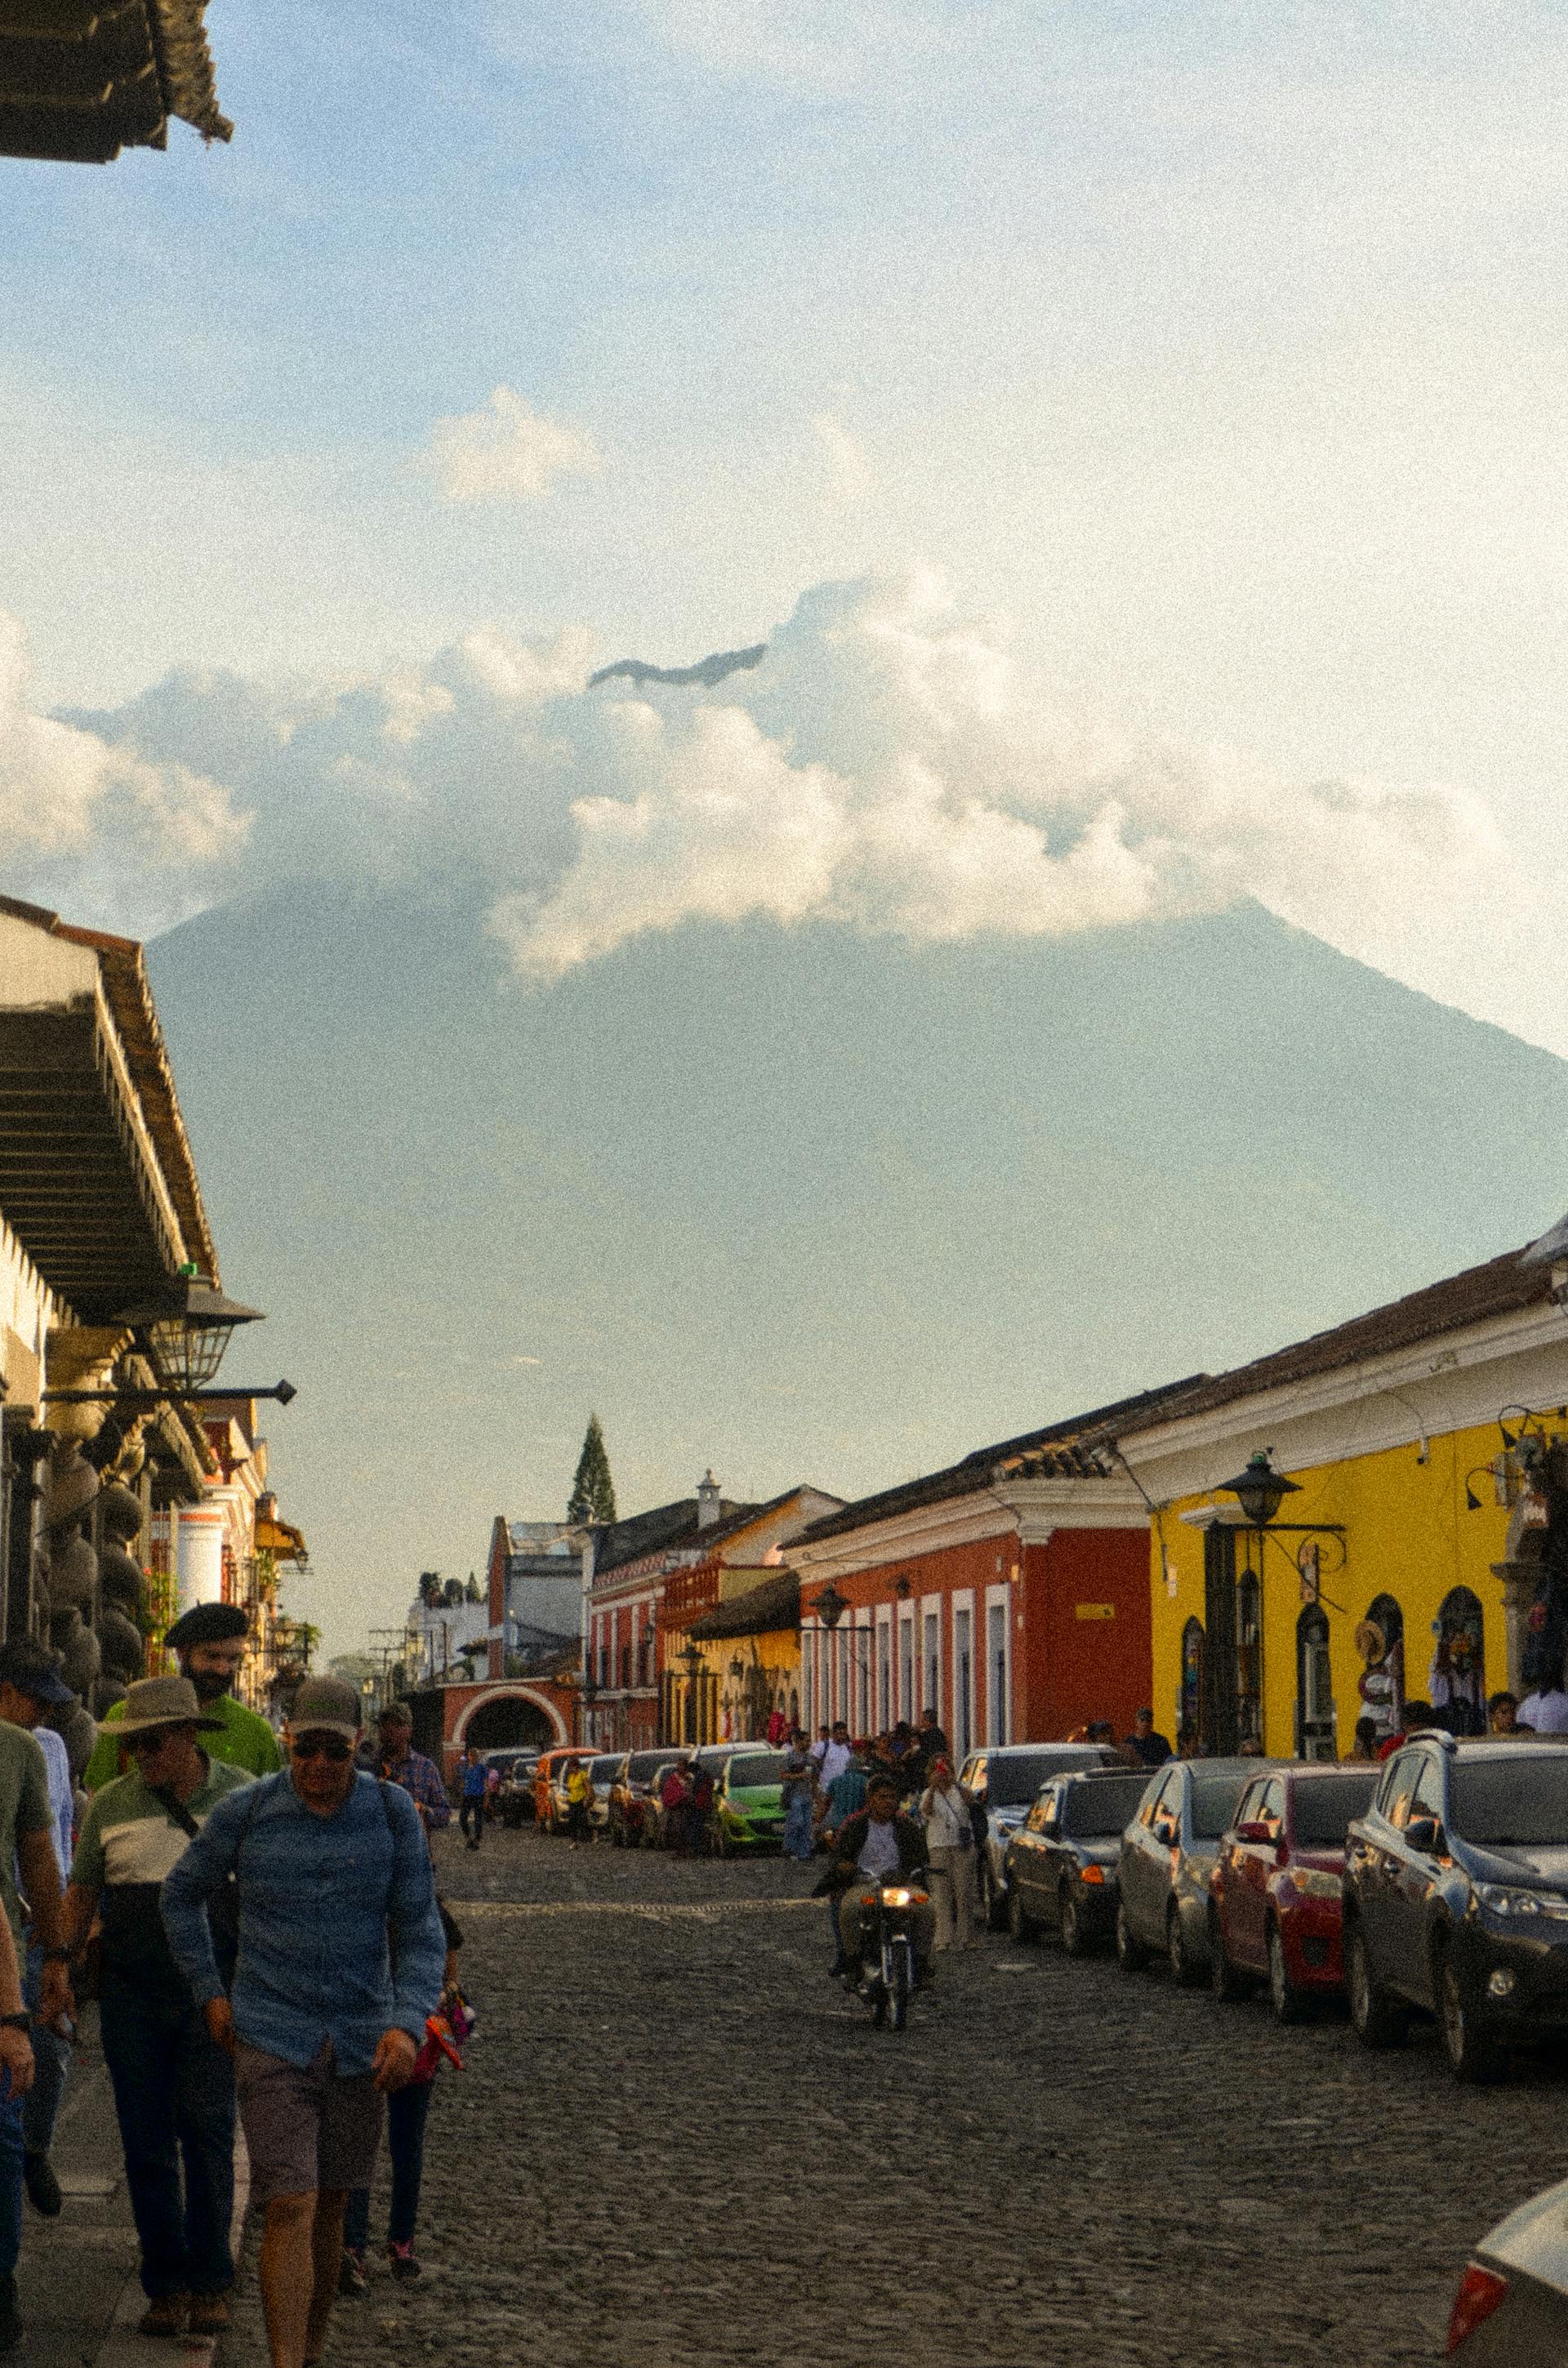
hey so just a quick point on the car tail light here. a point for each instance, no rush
(1091, 1874)
(1480, 2293)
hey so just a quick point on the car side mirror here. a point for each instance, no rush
(1254, 1829)
(1425, 1834)
(1164, 1832)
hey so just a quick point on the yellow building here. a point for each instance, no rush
(1422, 1551)
(750, 1643)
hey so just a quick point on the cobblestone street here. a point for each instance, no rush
(678, 2144)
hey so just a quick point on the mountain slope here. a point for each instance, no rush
(802, 1205)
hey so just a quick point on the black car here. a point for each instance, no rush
(1062, 1862)
(1456, 1896)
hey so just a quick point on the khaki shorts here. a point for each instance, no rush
(306, 2128)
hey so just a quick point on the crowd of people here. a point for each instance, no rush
(258, 1920)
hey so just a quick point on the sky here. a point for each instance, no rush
(1138, 433)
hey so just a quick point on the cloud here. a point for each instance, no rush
(124, 842)
(889, 766)
(525, 1360)
(509, 452)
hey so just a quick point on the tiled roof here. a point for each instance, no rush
(1499, 1288)
(1064, 1450)
(665, 1530)
(81, 79)
(776, 1603)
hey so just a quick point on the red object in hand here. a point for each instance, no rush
(1480, 2293)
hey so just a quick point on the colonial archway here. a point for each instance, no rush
(510, 1714)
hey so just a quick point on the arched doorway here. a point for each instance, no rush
(509, 1717)
(1249, 1658)
(1456, 1683)
(1315, 1737)
(1379, 1640)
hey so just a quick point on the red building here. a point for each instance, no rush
(1008, 1592)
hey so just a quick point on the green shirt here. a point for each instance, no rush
(128, 1843)
(24, 1809)
(247, 1742)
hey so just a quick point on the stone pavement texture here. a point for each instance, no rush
(678, 2145)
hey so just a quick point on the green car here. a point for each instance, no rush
(749, 1800)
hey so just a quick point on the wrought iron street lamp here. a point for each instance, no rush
(1260, 1491)
(830, 1606)
(187, 1330)
(691, 1654)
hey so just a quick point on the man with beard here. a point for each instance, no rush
(209, 1643)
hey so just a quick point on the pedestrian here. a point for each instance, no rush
(470, 1816)
(778, 1726)
(1144, 1748)
(1414, 1717)
(30, 1686)
(1503, 1712)
(875, 1844)
(492, 1790)
(699, 1807)
(797, 1785)
(397, 1761)
(1189, 1742)
(174, 2088)
(339, 1968)
(843, 1796)
(835, 1759)
(1545, 1712)
(933, 1742)
(209, 1644)
(1364, 1747)
(408, 2110)
(672, 1806)
(28, 1837)
(579, 1792)
(949, 1856)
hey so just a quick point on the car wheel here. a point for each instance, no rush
(1020, 1923)
(1288, 2002)
(1380, 2020)
(1075, 1939)
(1184, 1972)
(1473, 2055)
(1131, 1954)
(1227, 1984)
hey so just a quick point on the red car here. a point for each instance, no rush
(1274, 1901)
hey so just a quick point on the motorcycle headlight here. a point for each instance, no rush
(1508, 1899)
(897, 1898)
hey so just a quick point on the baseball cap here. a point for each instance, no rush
(33, 1670)
(326, 1706)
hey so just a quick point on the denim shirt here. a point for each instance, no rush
(316, 1898)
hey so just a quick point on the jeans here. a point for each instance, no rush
(406, 2112)
(52, 2061)
(798, 1823)
(470, 1819)
(10, 2181)
(174, 2094)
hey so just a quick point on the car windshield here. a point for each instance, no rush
(756, 1768)
(1214, 1802)
(1013, 1778)
(1326, 1804)
(602, 1770)
(1520, 1799)
(1103, 1806)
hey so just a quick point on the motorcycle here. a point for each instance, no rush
(889, 1982)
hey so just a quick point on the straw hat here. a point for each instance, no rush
(1370, 1642)
(164, 1702)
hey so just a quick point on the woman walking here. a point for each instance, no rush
(949, 1856)
(407, 2111)
(470, 1817)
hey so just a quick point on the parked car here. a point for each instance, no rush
(750, 1800)
(1062, 1861)
(1275, 1898)
(1004, 1779)
(550, 1784)
(1512, 2305)
(603, 1769)
(1456, 1896)
(631, 1822)
(515, 1801)
(1168, 1853)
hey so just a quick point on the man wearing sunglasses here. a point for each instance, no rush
(174, 2090)
(329, 1865)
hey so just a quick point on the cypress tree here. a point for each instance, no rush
(593, 1490)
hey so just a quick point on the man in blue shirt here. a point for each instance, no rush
(323, 2021)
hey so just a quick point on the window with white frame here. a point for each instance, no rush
(884, 1672)
(998, 1666)
(931, 1659)
(906, 1662)
(963, 1678)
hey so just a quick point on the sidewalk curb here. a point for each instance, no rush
(122, 2347)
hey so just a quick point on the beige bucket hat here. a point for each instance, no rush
(164, 1702)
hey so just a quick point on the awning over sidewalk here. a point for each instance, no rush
(81, 79)
(96, 1180)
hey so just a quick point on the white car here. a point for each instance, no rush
(1512, 2305)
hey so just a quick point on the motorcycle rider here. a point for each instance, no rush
(876, 1845)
